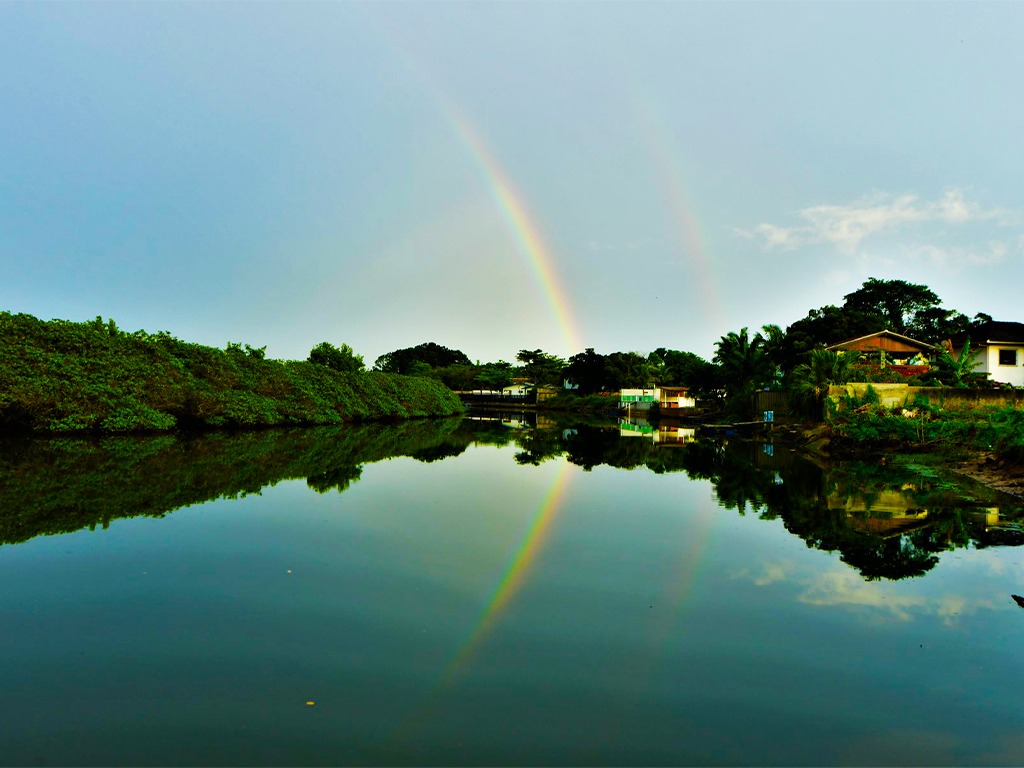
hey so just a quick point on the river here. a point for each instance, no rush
(489, 591)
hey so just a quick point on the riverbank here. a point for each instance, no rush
(64, 377)
(1003, 472)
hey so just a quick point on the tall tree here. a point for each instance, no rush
(810, 381)
(343, 359)
(627, 370)
(495, 375)
(587, 371)
(412, 359)
(896, 301)
(684, 369)
(745, 366)
(542, 369)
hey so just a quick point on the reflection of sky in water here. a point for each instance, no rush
(650, 625)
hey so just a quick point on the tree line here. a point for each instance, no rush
(793, 358)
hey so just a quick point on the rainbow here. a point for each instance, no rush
(510, 202)
(512, 578)
(509, 583)
(691, 241)
(523, 226)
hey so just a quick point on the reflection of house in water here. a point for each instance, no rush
(675, 435)
(515, 422)
(510, 419)
(675, 400)
(661, 435)
(994, 529)
(635, 428)
(881, 513)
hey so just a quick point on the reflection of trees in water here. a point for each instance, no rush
(898, 557)
(336, 479)
(812, 502)
(62, 485)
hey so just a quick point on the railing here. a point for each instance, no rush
(472, 398)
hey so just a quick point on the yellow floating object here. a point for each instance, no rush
(310, 703)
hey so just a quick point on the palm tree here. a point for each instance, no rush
(744, 364)
(810, 381)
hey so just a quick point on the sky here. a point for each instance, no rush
(503, 176)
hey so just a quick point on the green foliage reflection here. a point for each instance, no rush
(886, 521)
(61, 485)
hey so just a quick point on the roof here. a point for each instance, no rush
(993, 333)
(892, 335)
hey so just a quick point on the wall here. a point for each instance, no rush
(892, 395)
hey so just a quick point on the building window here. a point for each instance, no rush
(1007, 356)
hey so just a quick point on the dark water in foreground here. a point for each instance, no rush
(474, 593)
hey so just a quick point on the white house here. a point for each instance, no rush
(999, 347)
(668, 398)
(517, 390)
(637, 399)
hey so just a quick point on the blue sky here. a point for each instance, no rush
(289, 173)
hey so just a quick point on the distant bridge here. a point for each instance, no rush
(475, 398)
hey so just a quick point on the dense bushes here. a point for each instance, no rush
(60, 376)
(865, 421)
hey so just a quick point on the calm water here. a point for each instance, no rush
(476, 593)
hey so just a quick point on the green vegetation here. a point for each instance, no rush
(863, 424)
(64, 484)
(810, 381)
(343, 360)
(419, 359)
(746, 367)
(60, 376)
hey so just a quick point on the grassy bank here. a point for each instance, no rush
(58, 376)
(862, 425)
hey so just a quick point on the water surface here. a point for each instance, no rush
(481, 592)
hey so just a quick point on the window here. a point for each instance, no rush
(1007, 356)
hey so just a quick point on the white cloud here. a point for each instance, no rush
(956, 256)
(846, 588)
(846, 227)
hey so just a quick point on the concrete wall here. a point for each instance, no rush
(891, 395)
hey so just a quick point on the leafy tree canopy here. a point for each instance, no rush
(625, 370)
(411, 360)
(541, 368)
(683, 369)
(896, 305)
(344, 359)
(494, 375)
(895, 301)
(587, 371)
(745, 366)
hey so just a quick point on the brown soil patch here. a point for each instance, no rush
(1004, 476)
